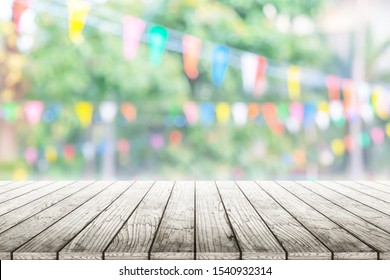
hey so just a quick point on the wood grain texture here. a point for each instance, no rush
(366, 232)
(367, 190)
(214, 236)
(375, 185)
(175, 236)
(18, 235)
(21, 190)
(3, 183)
(13, 185)
(135, 238)
(366, 199)
(255, 239)
(26, 198)
(296, 239)
(28, 210)
(365, 212)
(339, 241)
(48, 243)
(91, 242)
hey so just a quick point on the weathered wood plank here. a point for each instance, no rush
(255, 239)
(135, 238)
(91, 242)
(365, 212)
(339, 241)
(175, 236)
(16, 236)
(26, 198)
(368, 233)
(361, 197)
(367, 190)
(376, 185)
(48, 243)
(3, 183)
(22, 213)
(296, 239)
(214, 236)
(19, 191)
(14, 185)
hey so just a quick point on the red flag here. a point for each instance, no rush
(18, 8)
(333, 85)
(260, 84)
(192, 47)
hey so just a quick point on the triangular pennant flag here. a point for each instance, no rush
(11, 111)
(297, 111)
(207, 114)
(84, 111)
(78, 11)
(51, 154)
(108, 111)
(338, 147)
(310, 111)
(350, 101)
(69, 152)
(192, 47)
(31, 155)
(33, 111)
(249, 66)
(336, 112)
(333, 85)
(220, 63)
(175, 137)
(123, 146)
(222, 111)
(380, 103)
(18, 8)
(294, 82)
(270, 114)
(240, 113)
(377, 135)
(283, 111)
(129, 112)
(254, 110)
(157, 141)
(367, 113)
(261, 81)
(158, 36)
(132, 34)
(191, 112)
(322, 117)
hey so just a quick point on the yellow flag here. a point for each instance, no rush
(51, 154)
(379, 103)
(84, 111)
(338, 147)
(293, 81)
(323, 106)
(78, 11)
(223, 112)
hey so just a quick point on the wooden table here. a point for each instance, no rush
(194, 220)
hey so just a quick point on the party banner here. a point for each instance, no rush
(293, 82)
(77, 12)
(158, 36)
(33, 111)
(249, 66)
(132, 33)
(84, 112)
(222, 111)
(192, 47)
(220, 62)
(240, 113)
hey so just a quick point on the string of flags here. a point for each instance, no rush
(254, 68)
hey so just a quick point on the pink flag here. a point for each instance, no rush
(132, 33)
(192, 47)
(33, 111)
(191, 111)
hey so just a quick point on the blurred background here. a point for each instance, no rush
(185, 89)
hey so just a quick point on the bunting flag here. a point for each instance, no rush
(254, 110)
(132, 33)
(123, 146)
(33, 111)
(310, 111)
(207, 114)
(261, 81)
(222, 111)
(11, 112)
(31, 155)
(366, 113)
(271, 118)
(380, 103)
(158, 36)
(51, 154)
(388, 129)
(240, 113)
(77, 11)
(192, 47)
(377, 135)
(333, 85)
(249, 66)
(84, 111)
(18, 8)
(338, 147)
(129, 112)
(191, 112)
(108, 111)
(157, 141)
(336, 112)
(69, 152)
(88, 151)
(293, 123)
(293, 82)
(283, 112)
(220, 62)
(364, 140)
(350, 101)
(175, 137)
(322, 118)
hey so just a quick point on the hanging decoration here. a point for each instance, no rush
(157, 141)
(322, 118)
(129, 112)
(222, 111)
(192, 47)
(158, 36)
(18, 8)
(132, 33)
(220, 62)
(84, 111)
(33, 111)
(380, 103)
(207, 114)
(108, 111)
(10, 111)
(254, 110)
(310, 111)
(31, 155)
(240, 113)
(175, 137)
(77, 12)
(261, 81)
(69, 152)
(333, 85)
(249, 66)
(350, 101)
(191, 112)
(293, 82)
